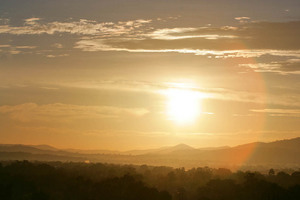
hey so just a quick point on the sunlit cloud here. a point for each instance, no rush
(247, 40)
(183, 33)
(4, 21)
(243, 19)
(32, 20)
(33, 26)
(4, 45)
(280, 112)
(56, 56)
(65, 112)
(290, 66)
(103, 45)
(57, 45)
(14, 49)
(49, 88)
(158, 88)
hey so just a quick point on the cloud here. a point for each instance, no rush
(159, 88)
(183, 33)
(31, 21)
(290, 66)
(135, 34)
(247, 40)
(33, 26)
(243, 19)
(4, 21)
(56, 56)
(65, 112)
(4, 46)
(16, 47)
(49, 88)
(280, 112)
(25, 47)
(13, 49)
(57, 45)
(106, 45)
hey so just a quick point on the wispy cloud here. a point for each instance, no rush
(105, 45)
(65, 112)
(290, 66)
(5, 45)
(159, 88)
(32, 20)
(13, 49)
(4, 21)
(243, 19)
(183, 33)
(49, 88)
(247, 40)
(57, 45)
(33, 26)
(56, 56)
(280, 112)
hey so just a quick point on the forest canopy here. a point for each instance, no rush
(57, 180)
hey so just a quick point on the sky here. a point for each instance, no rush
(140, 74)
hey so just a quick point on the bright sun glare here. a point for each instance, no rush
(183, 105)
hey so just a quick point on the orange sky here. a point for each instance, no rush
(137, 74)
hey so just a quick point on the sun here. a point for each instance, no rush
(183, 105)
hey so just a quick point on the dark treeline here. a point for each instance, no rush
(80, 181)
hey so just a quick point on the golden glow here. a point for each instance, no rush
(183, 105)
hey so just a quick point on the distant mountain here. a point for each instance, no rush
(214, 148)
(181, 147)
(34, 149)
(21, 148)
(40, 157)
(144, 151)
(92, 151)
(45, 147)
(283, 153)
(162, 150)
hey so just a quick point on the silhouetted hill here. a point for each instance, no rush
(39, 157)
(92, 151)
(35, 151)
(173, 149)
(45, 147)
(214, 148)
(22, 148)
(283, 153)
(162, 150)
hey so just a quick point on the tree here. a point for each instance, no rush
(271, 172)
